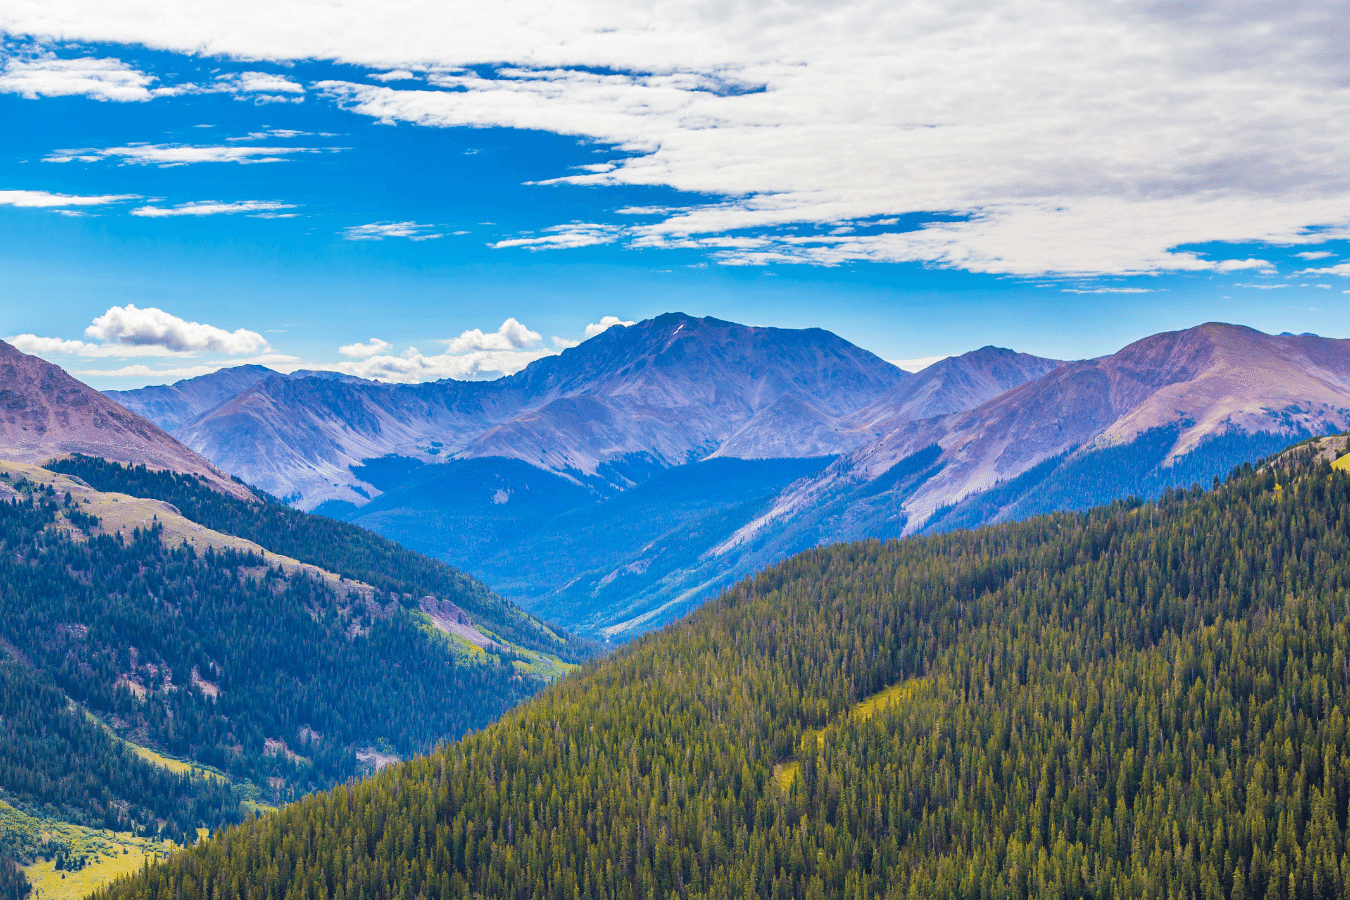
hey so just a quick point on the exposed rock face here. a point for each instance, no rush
(45, 413)
(444, 609)
(452, 620)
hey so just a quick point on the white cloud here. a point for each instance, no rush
(50, 346)
(256, 208)
(564, 343)
(1239, 265)
(605, 323)
(259, 83)
(45, 200)
(361, 351)
(474, 355)
(511, 336)
(413, 367)
(165, 155)
(1311, 255)
(396, 75)
(1071, 138)
(261, 87)
(1106, 290)
(129, 326)
(99, 79)
(378, 231)
(560, 237)
(918, 364)
(1342, 269)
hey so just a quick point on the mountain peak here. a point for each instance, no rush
(45, 413)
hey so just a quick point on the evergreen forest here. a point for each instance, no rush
(1144, 700)
(217, 657)
(340, 547)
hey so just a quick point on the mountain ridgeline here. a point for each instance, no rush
(604, 449)
(1145, 700)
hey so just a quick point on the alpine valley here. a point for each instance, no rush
(179, 652)
(614, 487)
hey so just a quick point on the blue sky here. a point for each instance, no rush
(196, 193)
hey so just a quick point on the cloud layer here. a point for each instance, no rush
(1014, 136)
(166, 155)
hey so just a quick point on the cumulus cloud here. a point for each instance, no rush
(378, 231)
(396, 75)
(130, 326)
(265, 209)
(125, 331)
(361, 351)
(413, 367)
(474, 355)
(1038, 137)
(511, 336)
(166, 155)
(99, 79)
(1311, 255)
(45, 200)
(605, 324)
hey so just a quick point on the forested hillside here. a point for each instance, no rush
(1147, 700)
(222, 658)
(340, 547)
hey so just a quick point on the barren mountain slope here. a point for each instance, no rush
(1210, 379)
(172, 406)
(952, 385)
(665, 391)
(45, 413)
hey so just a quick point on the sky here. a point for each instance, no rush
(418, 190)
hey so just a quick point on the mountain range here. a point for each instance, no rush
(618, 484)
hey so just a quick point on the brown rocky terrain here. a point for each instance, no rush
(45, 413)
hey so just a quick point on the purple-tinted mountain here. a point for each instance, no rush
(1197, 385)
(44, 414)
(661, 393)
(172, 406)
(953, 385)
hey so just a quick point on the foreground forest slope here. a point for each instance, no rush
(1146, 700)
